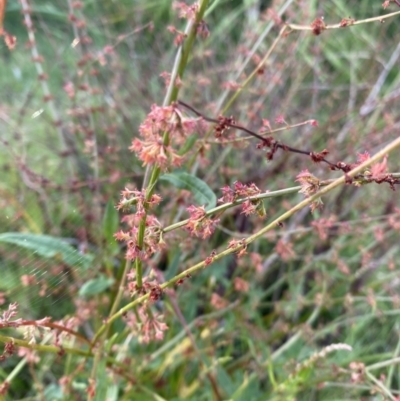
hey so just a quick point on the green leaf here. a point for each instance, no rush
(48, 247)
(96, 286)
(202, 193)
(110, 222)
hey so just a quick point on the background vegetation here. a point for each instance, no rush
(311, 312)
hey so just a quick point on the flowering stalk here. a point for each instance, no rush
(172, 94)
(228, 205)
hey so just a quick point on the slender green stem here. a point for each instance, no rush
(380, 385)
(384, 364)
(45, 348)
(171, 96)
(121, 288)
(237, 202)
(255, 71)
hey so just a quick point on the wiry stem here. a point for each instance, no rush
(350, 22)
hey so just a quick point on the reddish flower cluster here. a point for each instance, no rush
(167, 79)
(9, 40)
(185, 11)
(223, 124)
(309, 183)
(210, 258)
(317, 157)
(273, 145)
(240, 190)
(240, 244)
(285, 250)
(153, 241)
(376, 173)
(323, 225)
(4, 387)
(347, 22)
(199, 224)
(241, 285)
(9, 350)
(150, 286)
(179, 35)
(153, 148)
(309, 186)
(147, 326)
(31, 328)
(280, 120)
(8, 315)
(202, 30)
(318, 25)
(138, 199)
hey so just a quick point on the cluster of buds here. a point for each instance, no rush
(189, 13)
(199, 224)
(224, 123)
(240, 190)
(138, 199)
(153, 148)
(150, 286)
(240, 247)
(7, 318)
(309, 186)
(377, 172)
(185, 11)
(153, 240)
(318, 25)
(147, 326)
(152, 243)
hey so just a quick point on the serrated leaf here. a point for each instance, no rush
(96, 286)
(202, 193)
(48, 247)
